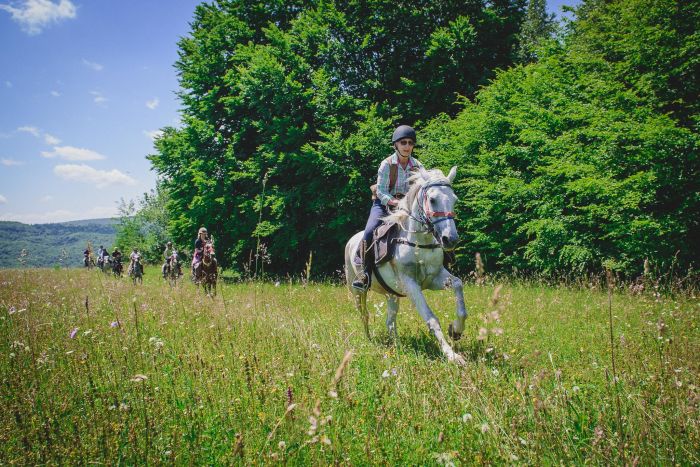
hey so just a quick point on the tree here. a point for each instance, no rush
(145, 227)
(537, 28)
(571, 165)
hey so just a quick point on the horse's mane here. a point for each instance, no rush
(416, 182)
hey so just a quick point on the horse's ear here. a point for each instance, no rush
(453, 173)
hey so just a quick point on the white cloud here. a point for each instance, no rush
(153, 134)
(45, 199)
(153, 103)
(92, 65)
(51, 140)
(98, 97)
(55, 94)
(3, 200)
(10, 162)
(29, 129)
(71, 153)
(34, 15)
(86, 174)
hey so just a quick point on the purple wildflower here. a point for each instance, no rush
(73, 333)
(114, 324)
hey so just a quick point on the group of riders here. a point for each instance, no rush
(171, 264)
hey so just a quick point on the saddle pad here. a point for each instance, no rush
(384, 244)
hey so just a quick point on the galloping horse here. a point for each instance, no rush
(206, 272)
(173, 269)
(117, 267)
(136, 271)
(427, 228)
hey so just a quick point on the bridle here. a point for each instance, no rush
(425, 216)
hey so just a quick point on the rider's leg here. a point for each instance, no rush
(375, 214)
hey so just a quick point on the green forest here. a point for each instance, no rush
(576, 141)
(52, 245)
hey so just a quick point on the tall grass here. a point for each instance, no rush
(94, 369)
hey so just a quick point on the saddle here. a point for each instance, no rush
(384, 244)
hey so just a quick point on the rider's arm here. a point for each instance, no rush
(383, 183)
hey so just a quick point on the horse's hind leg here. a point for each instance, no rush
(361, 306)
(392, 308)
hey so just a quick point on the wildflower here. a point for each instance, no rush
(282, 445)
(73, 333)
(467, 417)
(495, 372)
(114, 324)
(482, 334)
(484, 427)
(313, 425)
(138, 378)
(123, 407)
(277, 284)
(575, 389)
(156, 342)
(12, 310)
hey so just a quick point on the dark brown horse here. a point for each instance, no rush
(207, 271)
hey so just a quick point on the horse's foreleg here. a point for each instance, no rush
(392, 309)
(414, 291)
(445, 280)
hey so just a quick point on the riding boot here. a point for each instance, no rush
(361, 281)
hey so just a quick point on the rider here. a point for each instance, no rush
(116, 256)
(133, 257)
(168, 254)
(199, 248)
(392, 185)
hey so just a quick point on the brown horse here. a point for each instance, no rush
(207, 271)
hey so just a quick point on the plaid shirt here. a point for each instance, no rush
(401, 177)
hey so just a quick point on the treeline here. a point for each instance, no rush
(50, 245)
(581, 153)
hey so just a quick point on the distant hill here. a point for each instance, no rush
(48, 245)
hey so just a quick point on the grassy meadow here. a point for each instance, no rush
(95, 370)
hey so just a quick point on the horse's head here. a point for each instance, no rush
(436, 200)
(430, 201)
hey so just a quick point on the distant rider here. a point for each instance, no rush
(168, 255)
(199, 244)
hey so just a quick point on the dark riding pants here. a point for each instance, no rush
(375, 214)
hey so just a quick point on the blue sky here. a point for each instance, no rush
(84, 87)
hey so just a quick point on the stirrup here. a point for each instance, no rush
(360, 284)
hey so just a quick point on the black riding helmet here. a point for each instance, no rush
(403, 131)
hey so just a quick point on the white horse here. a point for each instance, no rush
(427, 227)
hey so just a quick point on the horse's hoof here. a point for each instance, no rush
(458, 360)
(453, 334)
